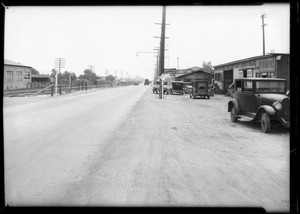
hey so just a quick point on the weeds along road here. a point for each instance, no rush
(138, 150)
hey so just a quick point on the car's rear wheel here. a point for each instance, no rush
(265, 123)
(233, 115)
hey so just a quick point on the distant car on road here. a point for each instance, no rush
(136, 83)
(261, 100)
(146, 82)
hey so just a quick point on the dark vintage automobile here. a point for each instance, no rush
(177, 87)
(200, 88)
(262, 100)
(187, 87)
(156, 87)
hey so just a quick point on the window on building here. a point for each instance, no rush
(18, 76)
(268, 75)
(9, 76)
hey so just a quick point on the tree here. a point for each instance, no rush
(89, 76)
(34, 71)
(207, 67)
(64, 78)
(110, 78)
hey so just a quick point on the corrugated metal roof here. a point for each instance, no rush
(9, 62)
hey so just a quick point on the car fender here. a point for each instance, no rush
(264, 108)
(233, 103)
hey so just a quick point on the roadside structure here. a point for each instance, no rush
(271, 65)
(196, 75)
(18, 76)
(173, 72)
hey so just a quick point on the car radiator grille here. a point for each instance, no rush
(285, 112)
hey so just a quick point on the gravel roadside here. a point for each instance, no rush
(179, 151)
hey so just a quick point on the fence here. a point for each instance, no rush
(61, 89)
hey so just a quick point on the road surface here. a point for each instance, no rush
(49, 141)
(126, 147)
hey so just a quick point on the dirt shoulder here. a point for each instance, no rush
(179, 151)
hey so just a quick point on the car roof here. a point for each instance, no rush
(261, 78)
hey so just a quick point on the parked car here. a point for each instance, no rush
(262, 100)
(136, 83)
(155, 88)
(230, 90)
(167, 88)
(187, 87)
(200, 88)
(177, 87)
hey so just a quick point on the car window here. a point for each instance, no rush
(238, 85)
(270, 86)
(247, 85)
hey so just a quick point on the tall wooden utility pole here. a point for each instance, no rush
(59, 63)
(263, 31)
(162, 50)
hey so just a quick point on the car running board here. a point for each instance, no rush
(245, 117)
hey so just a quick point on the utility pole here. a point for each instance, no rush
(263, 31)
(70, 82)
(60, 63)
(162, 51)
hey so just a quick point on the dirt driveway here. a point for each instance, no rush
(179, 151)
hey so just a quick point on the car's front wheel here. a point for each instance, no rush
(233, 115)
(265, 123)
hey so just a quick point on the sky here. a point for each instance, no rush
(112, 38)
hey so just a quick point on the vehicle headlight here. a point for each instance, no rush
(277, 106)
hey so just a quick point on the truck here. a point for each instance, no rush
(146, 82)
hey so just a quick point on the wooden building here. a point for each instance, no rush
(18, 76)
(196, 75)
(15, 75)
(271, 65)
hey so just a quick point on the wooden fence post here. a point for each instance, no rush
(85, 85)
(52, 90)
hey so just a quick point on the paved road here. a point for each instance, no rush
(48, 141)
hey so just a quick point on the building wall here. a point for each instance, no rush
(272, 66)
(283, 68)
(14, 77)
